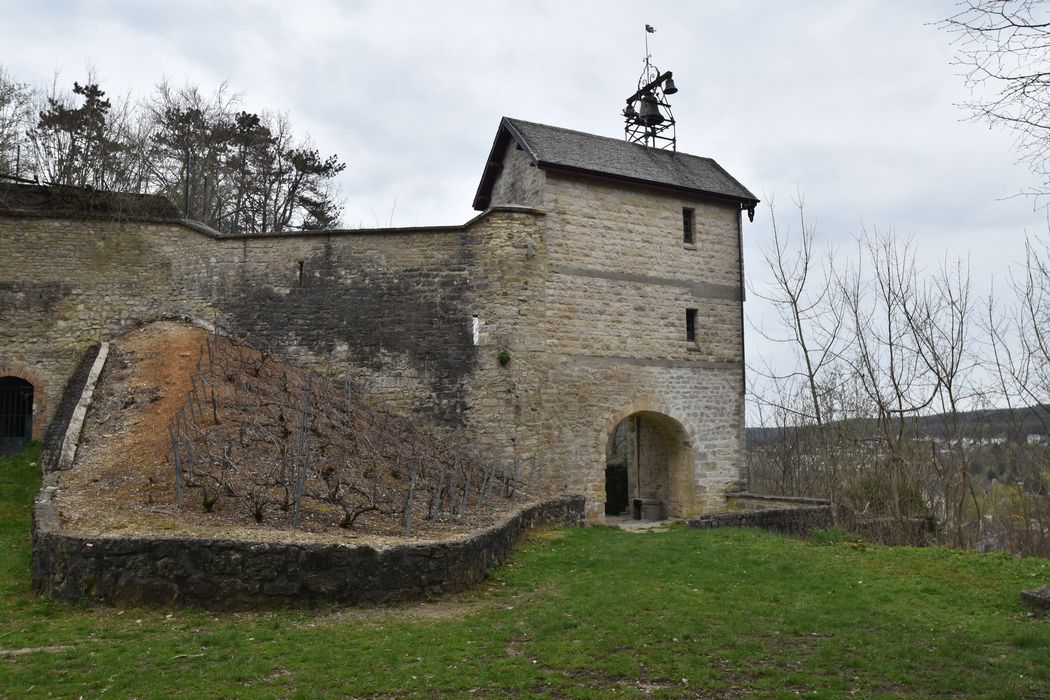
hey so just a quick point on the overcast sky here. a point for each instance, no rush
(853, 102)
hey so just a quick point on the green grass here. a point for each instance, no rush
(583, 613)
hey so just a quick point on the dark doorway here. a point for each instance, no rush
(615, 488)
(617, 485)
(16, 413)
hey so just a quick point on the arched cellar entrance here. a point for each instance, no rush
(16, 413)
(649, 467)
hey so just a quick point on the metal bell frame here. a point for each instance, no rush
(651, 122)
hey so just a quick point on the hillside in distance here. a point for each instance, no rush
(1015, 425)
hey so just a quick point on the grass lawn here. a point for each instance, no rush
(589, 613)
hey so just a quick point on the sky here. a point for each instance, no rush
(853, 103)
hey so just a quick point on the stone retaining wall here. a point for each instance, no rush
(799, 520)
(746, 500)
(791, 521)
(234, 574)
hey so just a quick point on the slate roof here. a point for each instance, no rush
(57, 201)
(554, 148)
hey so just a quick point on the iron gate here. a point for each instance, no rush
(16, 413)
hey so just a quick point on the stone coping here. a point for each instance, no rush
(71, 439)
(73, 397)
(207, 230)
(231, 574)
(802, 500)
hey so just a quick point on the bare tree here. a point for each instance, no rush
(16, 114)
(891, 372)
(84, 139)
(229, 168)
(1004, 51)
(1020, 362)
(808, 307)
(939, 319)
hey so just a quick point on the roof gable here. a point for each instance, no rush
(554, 148)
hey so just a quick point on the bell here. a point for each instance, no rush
(629, 112)
(669, 87)
(649, 114)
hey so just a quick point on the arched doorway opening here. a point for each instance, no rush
(649, 464)
(16, 413)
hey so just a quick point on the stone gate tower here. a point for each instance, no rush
(641, 280)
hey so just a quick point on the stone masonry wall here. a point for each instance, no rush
(390, 309)
(520, 182)
(620, 281)
(620, 228)
(758, 501)
(798, 520)
(508, 280)
(607, 317)
(65, 285)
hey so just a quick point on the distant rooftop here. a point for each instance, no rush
(554, 148)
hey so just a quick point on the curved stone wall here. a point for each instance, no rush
(236, 574)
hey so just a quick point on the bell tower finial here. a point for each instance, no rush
(651, 122)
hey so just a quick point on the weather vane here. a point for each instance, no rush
(647, 117)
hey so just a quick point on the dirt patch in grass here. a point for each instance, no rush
(122, 483)
(452, 608)
(442, 610)
(54, 649)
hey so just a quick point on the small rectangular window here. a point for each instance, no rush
(690, 325)
(688, 226)
(475, 330)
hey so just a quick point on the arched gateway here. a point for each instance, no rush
(649, 467)
(649, 463)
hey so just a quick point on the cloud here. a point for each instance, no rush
(854, 103)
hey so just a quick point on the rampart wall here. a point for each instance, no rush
(392, 309)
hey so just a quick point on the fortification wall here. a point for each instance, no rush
(390, 309)
(509, 396)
